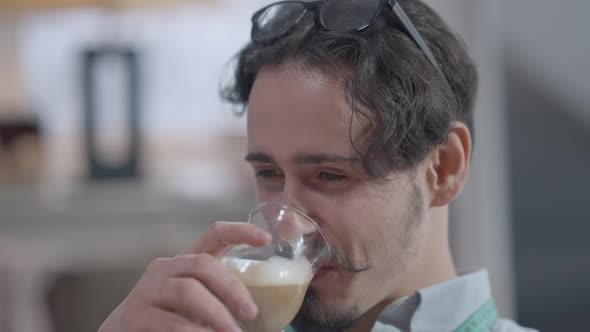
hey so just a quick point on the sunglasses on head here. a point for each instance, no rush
(277, 19)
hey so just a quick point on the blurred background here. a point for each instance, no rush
(115, 149)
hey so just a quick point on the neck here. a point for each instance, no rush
(433, 265)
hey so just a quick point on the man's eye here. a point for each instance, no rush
(267, 173)
(331, 176)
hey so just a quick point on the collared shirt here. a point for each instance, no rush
(445, 308)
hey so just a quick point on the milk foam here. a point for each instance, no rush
(276, 271)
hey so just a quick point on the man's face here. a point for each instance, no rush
(299, 145)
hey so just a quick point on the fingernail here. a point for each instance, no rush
(248, 310)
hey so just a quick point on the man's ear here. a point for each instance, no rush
(448, 167)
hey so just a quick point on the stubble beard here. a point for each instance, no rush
(315, 317)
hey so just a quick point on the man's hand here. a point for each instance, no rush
(192, 291)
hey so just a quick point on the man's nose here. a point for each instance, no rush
(296, 221)
(293, 195)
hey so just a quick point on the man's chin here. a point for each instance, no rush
(318, 315)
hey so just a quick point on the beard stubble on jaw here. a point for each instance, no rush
(313, 317)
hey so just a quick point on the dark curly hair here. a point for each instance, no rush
(391, 87)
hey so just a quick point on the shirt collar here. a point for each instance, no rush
(442, 307)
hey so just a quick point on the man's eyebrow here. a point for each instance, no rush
(320, 158)
(259, 157)
(305, 158)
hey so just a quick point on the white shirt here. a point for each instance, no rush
(448, 307)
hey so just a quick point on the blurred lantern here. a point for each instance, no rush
(110, 89)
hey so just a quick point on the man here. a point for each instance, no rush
(359, 114)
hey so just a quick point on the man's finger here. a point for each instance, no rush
(193, 301)
(222, 283)
(162, 320)
(222, 235)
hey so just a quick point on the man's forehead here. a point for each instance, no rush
(296, 120)
(291, 96)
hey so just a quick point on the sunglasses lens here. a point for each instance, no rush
(348, 14)
(276, 20)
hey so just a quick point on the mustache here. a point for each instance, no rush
(342, 260)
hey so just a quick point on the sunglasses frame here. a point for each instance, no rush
(392, 5)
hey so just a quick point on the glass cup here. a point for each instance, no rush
(278, 274)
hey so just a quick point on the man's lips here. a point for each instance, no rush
(323, 272)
